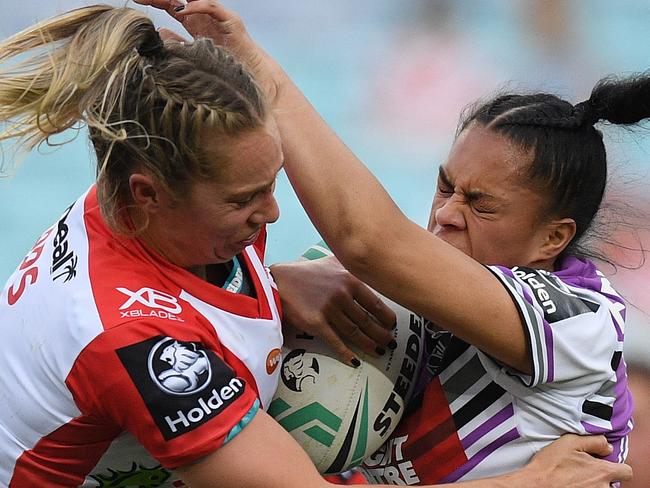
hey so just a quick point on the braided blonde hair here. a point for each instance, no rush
(145, 112)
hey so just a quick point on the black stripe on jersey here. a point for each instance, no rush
(463, 379)
(616, 360)
(554, 297)
(440, 349)
(477, 405)
(597, 409)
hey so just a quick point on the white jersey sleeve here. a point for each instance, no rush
(572, 331)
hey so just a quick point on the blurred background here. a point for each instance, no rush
(391, 77)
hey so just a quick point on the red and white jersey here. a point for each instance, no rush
(119, 366)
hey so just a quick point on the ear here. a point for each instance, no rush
(145, 192)
(558, 235)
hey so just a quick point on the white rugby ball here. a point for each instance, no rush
(339, 414)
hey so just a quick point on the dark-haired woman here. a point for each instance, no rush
(141, 333)
(529, 334)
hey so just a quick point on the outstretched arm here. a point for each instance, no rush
(264, 455)
(358, 219)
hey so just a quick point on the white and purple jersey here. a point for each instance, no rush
(476, 418)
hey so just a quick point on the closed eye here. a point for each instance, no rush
(244, 203)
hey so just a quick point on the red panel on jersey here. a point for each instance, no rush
(64, 457)
(433, 444)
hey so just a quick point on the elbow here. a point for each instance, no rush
(361, 250)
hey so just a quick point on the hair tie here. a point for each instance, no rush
(152, 45)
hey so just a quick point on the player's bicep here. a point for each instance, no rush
(176, 395)
(262, 455)
(454, 291)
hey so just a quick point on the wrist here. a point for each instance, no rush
(524, 477)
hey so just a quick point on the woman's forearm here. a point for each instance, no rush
(339, 193)
(381, 246)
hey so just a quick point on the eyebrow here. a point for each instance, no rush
(472, 195)
(252, 191)
(442, 174)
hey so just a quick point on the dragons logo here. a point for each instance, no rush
(137, 475)
(179, 368)
(296, 370)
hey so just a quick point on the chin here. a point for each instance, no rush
(221, 257)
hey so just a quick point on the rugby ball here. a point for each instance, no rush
(339, 414)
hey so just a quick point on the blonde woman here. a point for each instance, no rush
(141, 333)
(532, 333)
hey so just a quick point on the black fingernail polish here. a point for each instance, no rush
(380, 350)
(179, 8)
(355, 362)
(392, 345)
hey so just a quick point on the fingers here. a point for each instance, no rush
(168, 5)
(369, 335)
(369, 300)
(620, 472)
(596, 445)
(344, 353)
(210, 7)
(358, 335)
(170, 35)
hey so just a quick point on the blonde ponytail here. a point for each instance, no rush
(68, 63)
(145, 110)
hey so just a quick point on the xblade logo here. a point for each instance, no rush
(165, 306)
(151, 298)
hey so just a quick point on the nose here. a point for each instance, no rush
(267, 212)
(449, 213)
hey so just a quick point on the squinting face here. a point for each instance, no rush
(481, 206)
(218, 219)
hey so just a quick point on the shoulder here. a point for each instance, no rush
(560, 296)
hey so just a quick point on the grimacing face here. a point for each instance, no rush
(482, 206)
(219, 218)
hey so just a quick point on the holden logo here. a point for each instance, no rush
(272, 361)
(179, 368)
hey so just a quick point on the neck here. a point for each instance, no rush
(200, 271)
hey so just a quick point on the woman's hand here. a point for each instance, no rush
(570, 461)
(321, 298)
(208, 18)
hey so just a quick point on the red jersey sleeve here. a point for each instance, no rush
(170, 387)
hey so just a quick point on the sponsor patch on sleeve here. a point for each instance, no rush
(182, 384)
(555, 298)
